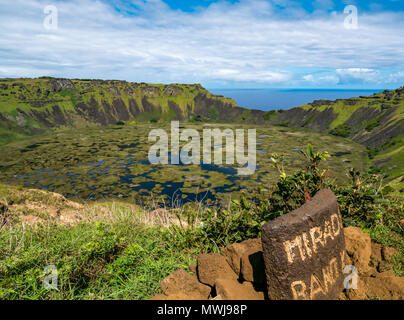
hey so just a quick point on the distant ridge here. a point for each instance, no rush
(370, 120)
(376, 121)
(30, 106)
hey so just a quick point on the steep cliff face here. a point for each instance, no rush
(29, 106)
(376, 121)
(371, 120)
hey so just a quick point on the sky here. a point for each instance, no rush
(219, 43)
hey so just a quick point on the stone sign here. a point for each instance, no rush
(304, 251)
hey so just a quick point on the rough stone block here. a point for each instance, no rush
(212, 266)
(304, 251)
(181, 282)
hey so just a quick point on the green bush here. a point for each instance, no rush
(270, 114)
(282, 124)
(104, 245)
(341, 131)
(127, 260)
(244, 218)
(119, 260)
(213, 113)
(371, 125)
(133, 255)
(361, 202)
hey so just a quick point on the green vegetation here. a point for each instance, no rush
(120, 256)
(341, 131)
(213, 113)
(370, 125)
(282, 124)
(197, 118)
(114, 250)
(346, 108)
(119, 260)
(29, 106)
(375, 121)
(309, 120)
(7, 136)
(72, 94)
(270, 115)
(246, 115)
(389, 158)
(361, 203)
(111, 162)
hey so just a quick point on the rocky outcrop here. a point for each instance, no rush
(223, 275)
(230, 289)
(33, 206)
(358, 247)
(172, 90)
(181, 282)
(310, 119)
(220, 277)
(212, 108)
(246, 260)
(49, 103)
(58, 85)
(212, 266)
(151, 91)
(375, 279)
(371, 121)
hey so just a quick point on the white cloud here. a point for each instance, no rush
(249, 41)
(258, 76)
(326, 79)
(358, 75)
(309, 77)
(397, 77)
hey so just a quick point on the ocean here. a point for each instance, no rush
(274, 99)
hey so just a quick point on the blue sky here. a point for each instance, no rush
(220, 44)
(308, 5)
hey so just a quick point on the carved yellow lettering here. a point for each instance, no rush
(330, 273)
(299, 290)
(315, 287)
(316, 237)
(290, 245)
(336, 224)
(306, 244)
(328, 232)
(343, 256)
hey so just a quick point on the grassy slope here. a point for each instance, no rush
(38, 94)
(123, 258)
(345, 110)
(24, 93)
(391, 159)
(390, 156)
(114, 255)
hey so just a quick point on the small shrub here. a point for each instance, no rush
(341, 131)
(361, 202)
(131, 256)
(213, 113)
(244, 218)
(105, 244)
(371, 125)
(282, 124)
